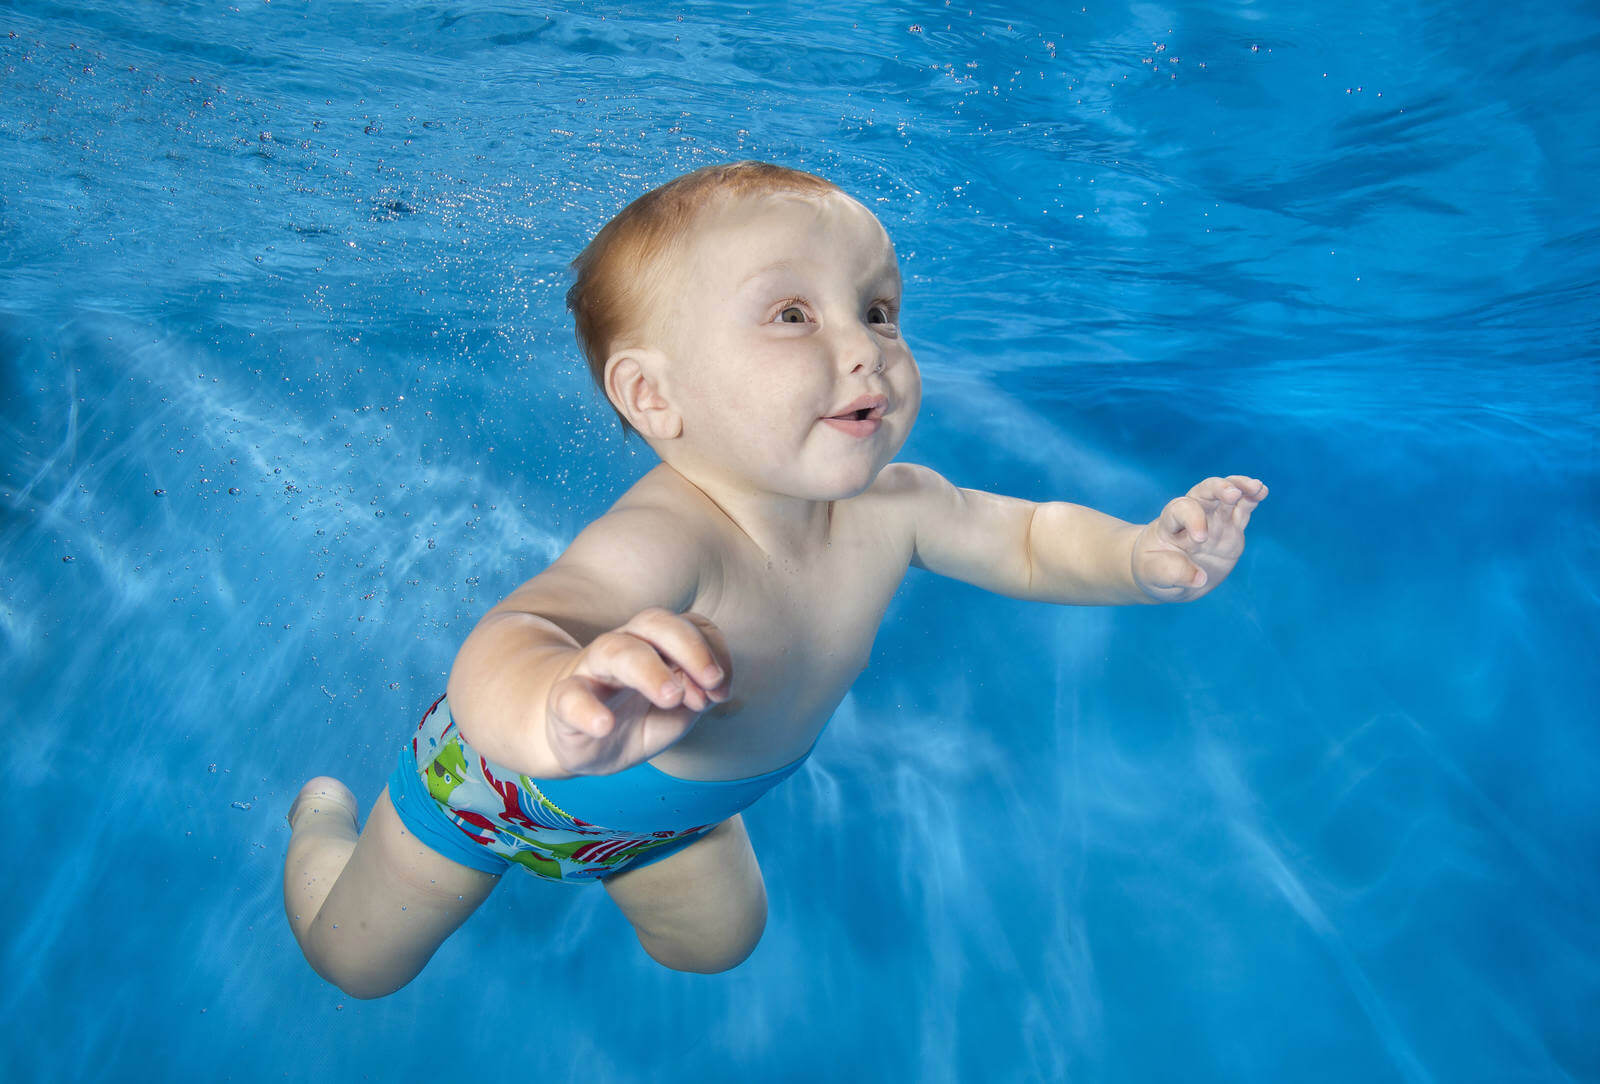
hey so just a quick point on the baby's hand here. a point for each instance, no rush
(1195, 542)
(636, 690)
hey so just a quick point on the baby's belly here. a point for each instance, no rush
(746, 740)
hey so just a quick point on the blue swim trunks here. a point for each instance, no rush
(576, 831)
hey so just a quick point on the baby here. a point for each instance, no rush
(611, 718)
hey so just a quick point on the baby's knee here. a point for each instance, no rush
(360, 982)
(357, 974)
(699, 962)
(367, 989)
(708, 955)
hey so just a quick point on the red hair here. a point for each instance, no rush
(616, 273)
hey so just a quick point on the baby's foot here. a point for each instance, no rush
(324, 796)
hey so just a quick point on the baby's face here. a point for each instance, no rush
(786, 312)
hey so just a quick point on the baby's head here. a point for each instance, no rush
(621, 277)
(727, 312)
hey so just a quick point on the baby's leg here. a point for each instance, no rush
(702, 909)
(369, 912)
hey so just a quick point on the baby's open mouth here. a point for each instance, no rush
(866, 408)
(864, 420)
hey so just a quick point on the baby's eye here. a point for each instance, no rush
(792, 314)
(880, 314)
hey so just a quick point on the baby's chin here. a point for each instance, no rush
(845, 479)
(841, 486)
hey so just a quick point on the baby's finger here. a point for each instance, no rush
(1212, 489)
(1250, 489)
(1252, 492)
(690, 642)
(1165, 568)
(717, 644)
(623, 660)
(575, 708)
(1184, 515)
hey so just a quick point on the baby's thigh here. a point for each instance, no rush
(701, 909)
(393, 905)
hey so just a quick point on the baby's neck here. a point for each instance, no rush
(782, 528)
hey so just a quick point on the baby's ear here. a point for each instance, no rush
(633, 383)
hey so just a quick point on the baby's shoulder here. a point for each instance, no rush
(894, 496)
(649, 519)
(909, 503)
(662, 504)
(897, 481)
(645, 550)
(885, 513)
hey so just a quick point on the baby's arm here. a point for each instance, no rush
(1069, 554)
(589, 667)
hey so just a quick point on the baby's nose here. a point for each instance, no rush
(861, 350)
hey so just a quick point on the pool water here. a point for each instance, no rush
(288, 398)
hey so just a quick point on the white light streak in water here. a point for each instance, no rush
(264, 592)
(1240, 808)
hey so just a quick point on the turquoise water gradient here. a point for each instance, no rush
(288, 399)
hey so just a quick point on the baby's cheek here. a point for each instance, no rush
(910, 387)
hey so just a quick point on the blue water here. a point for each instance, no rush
(288, 399)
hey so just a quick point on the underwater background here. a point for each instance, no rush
(289, 398)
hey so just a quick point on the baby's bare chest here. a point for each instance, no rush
(799, 634)
(790, 631)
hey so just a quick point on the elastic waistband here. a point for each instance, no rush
(639, 799)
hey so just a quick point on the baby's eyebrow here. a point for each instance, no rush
(889, 272)
(780, 265)
(889, 276)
